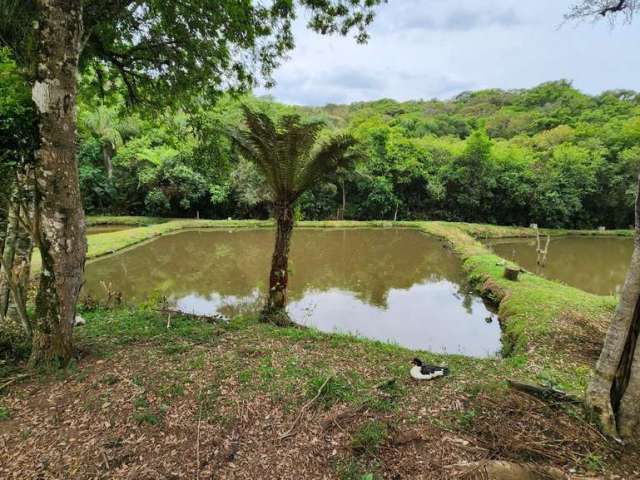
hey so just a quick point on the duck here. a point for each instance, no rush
(422, 371)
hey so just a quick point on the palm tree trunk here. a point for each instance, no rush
(60, 234)
(276, 308)
(614, 391)
(344, 200)
(107, 154)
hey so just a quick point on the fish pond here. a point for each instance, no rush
(595, 264)
(392, 285)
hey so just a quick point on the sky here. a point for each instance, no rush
(423, 49)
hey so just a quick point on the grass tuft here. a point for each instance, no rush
(369, 438)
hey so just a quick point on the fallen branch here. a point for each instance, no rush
(198, 434)
(289, 432)
(544, 393)
(193, 316)
(336, 418)
(13, 380)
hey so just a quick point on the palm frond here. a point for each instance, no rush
(288, 153)
(334, 153)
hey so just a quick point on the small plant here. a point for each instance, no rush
(352, 470)
(245, 376)
(593, 463)
(369, 438)
(207, 400)
(143, 413)
(110, 379)
(332, 391)
(384, 398)
(467, 418)
(4, 413)
(173, 390)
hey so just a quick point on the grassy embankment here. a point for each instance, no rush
(238, 387)
(545, 323)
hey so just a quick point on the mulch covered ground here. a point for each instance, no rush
(243, 407)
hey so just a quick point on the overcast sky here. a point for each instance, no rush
(421, 49)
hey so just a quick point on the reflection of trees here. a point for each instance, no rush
(365, 262)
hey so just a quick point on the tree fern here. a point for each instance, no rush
(292, 158)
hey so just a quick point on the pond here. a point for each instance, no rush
(392, 285)
(96, 229)
(594, 264)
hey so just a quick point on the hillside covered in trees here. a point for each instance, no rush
(549, 155)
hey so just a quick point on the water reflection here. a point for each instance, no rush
(594, 264)
(392, 285)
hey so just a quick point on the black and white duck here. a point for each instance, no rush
(422, 371)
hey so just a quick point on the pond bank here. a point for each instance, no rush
(544, 322)
(153, 396)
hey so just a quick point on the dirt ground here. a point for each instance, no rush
(258, 403)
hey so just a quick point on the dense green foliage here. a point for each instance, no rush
(549, 155)
(18, 137)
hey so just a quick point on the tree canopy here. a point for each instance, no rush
(166, 51)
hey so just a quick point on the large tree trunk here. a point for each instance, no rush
(59, 216)
(614, 391)
(276, 308)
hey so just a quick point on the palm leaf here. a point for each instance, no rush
(334, 153)
(288, 153)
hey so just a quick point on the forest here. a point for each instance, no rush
(549, 155)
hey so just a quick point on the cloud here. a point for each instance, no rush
(347, 85)
(338, 85)
(462, 20)
(438, 48)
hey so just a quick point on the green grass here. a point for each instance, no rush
(93, 221)
(130, 325)
(368, 439)
(4, 413)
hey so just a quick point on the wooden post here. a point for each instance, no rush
(511, 273)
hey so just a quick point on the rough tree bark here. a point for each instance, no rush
(21, 268)
(614, 391)
(4, 217)
(8, 254)
(59, 219)
(275, 310)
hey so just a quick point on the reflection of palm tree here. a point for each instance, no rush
(292, 159)
(366, 262)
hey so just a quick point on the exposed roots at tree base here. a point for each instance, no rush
(275, 316)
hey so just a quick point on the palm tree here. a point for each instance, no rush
(110, 130)
(292, 158)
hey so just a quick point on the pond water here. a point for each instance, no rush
(386, 284)
(594, 264)
(95, 229)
